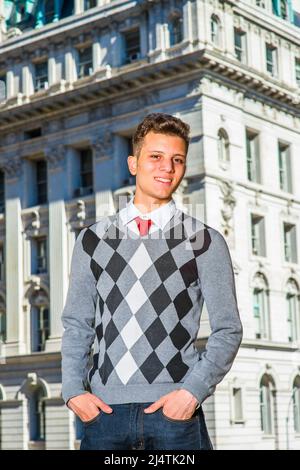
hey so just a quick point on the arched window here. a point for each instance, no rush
(293, 314)
(37, 416)
(261, 307)
(40, 321)
(223, 147)
(215, 30)
(267, 402)
(296, 404)
(176, 29)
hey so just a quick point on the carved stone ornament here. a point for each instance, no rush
(13, 168)
(102, 145)
(55, 156)
(229, 202)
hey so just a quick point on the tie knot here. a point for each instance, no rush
(143, 225)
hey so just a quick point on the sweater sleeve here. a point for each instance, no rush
(78, 318)
(216, 280)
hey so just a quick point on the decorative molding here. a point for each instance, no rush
(102, 146)
(55, 156)
(13, 168)
(229, 203)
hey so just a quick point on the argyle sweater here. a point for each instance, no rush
(136, 302)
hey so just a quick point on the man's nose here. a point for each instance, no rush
(167, 165)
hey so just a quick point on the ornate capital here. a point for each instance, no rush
(13, 168)
(102, 146)
(55, 156)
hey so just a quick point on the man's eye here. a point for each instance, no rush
(178, 160)
(155, 156)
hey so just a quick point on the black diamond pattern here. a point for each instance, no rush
(113, 237)
(89, 241)
(106, 369)
(95, 366)
(115, 266)
(151, 368)
(111, 332)
(165, 266)
(114, 299)
(99, 332)
(156, 333)
(179, 336)
(96, 269)
(160, 299)
(189, 272)
(177, 368)
(183, 303)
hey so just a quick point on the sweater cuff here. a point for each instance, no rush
(197, 388)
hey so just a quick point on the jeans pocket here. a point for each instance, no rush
(92, 421)
(193, 418)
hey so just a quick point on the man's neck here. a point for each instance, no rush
(149, 206)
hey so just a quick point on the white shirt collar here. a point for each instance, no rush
(160, 216)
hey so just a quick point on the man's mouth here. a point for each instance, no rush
(166, 181)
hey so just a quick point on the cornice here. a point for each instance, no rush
(122, 82)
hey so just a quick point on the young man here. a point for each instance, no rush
(137, 286)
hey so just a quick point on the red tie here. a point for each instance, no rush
(143, 225)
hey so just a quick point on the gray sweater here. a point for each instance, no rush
(138, 302)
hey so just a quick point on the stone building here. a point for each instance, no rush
(76, 77)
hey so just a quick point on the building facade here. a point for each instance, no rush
(76, 77)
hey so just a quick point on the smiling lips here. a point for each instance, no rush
(166, 181)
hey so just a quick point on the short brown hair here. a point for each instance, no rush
(160, 123)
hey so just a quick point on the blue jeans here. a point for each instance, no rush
(128, 427)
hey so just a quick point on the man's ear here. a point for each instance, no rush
(132, 164)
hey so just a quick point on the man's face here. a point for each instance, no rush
(160, 166)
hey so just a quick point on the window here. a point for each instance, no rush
(49, 11)
(253, 159)
(293, 317)
(176, 30)
(271, 60)
(40, 327)
(129, 179)
(283, 9)
(261, 307)
(258, 235)
(41, 181)
(41, 76)
(2, 263)
(37, 415)
(89, 4)
(33, 133)
(238, 405)
(85, 62)
(3, 90)
(223, 147)
(267, 404)
(290, 243)
(215, 30)
(240, 45)
(86, 173)
(132, 46)
(297, 71)
(2, 327)
(2, 191)
(41, 255)
(296, 404)
(285, 176)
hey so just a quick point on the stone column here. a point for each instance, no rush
(96, 51)
(52, 66)
(70, 64)
(187, 23)
(201, 23)
(78, 6)
(58, 268)
(103, 169)
(14, 171)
